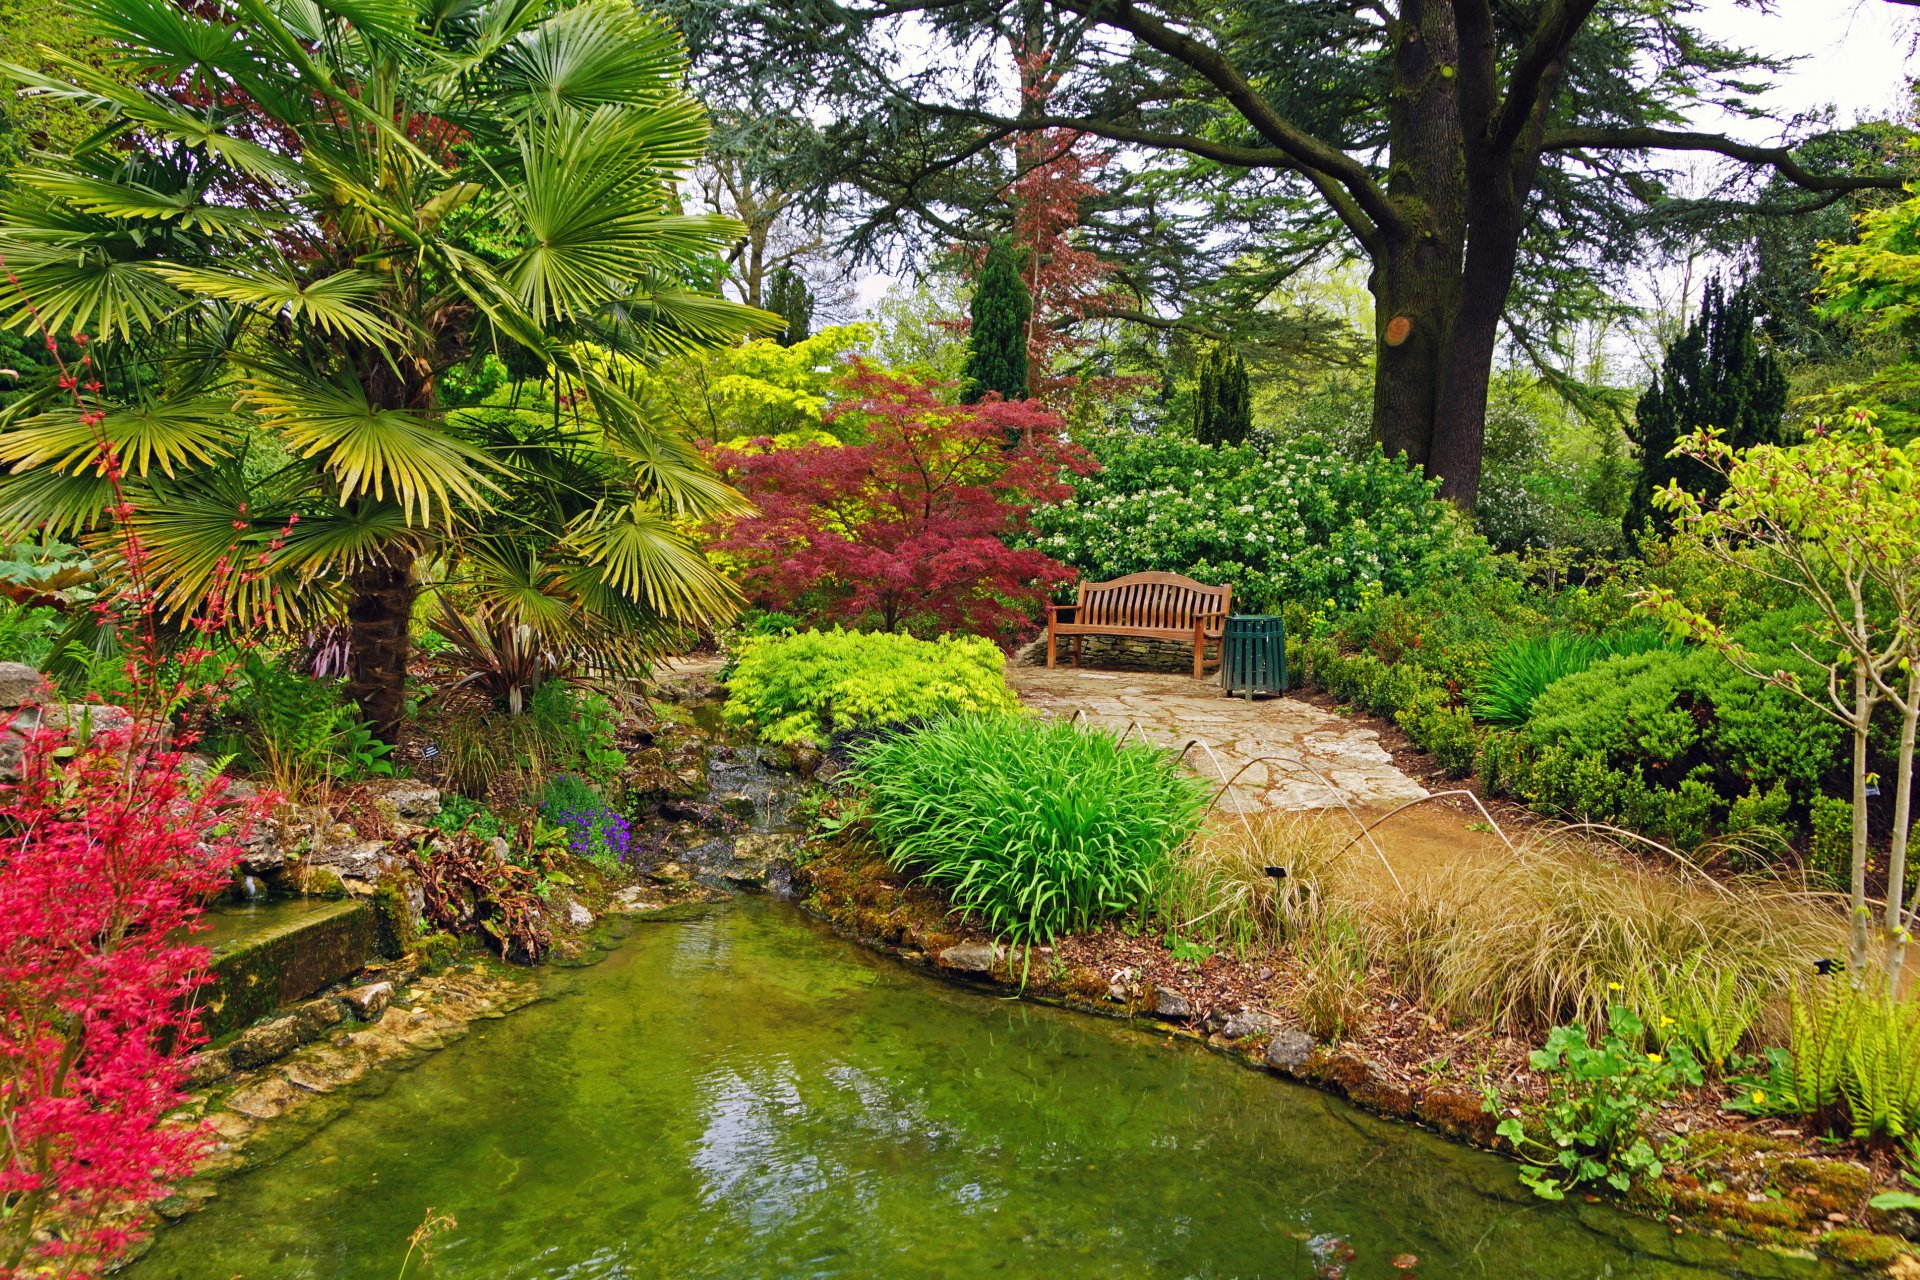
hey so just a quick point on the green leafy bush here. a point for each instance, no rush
(809, 686)
(1295, 521)
(1592, 1128)
(28, 634)
(1034, 828)
(299, 729)
(1668, 740)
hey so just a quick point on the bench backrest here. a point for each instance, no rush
(1165, 601)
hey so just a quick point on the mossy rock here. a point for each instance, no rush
(1862, 1247)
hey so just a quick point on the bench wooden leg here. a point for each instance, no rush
(1051, 642)
(1199, 658)
(1076, 649)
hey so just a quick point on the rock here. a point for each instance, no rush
(403, 799)
(1365, 1083)
(971, 957)
(1289, 1050)
(266, 1099)
(207, 1066)
(21, 685)
(264, 850)
(501, 850)
(265, 1042)
(578, 916)
(1247, 1022)
(737, 805)
(1458, 1111)
(88, 718)
(312, 1019)
(755, 857)
(807, 759)
(1171, 1004)
(369, 1002)
(353, 859)
(668, 872)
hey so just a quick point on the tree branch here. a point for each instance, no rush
(1328, 166)
(1535, 66)
(1780, 159)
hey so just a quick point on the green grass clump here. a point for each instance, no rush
(1036, 829)
(1521, 672)
(813, 684)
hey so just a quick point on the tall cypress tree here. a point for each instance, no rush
(1716, 374)
(789, 298)
(997, 339)
(1223, 407)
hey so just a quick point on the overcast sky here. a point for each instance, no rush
(1853, 53)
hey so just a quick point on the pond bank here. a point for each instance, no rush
(1771, 1184)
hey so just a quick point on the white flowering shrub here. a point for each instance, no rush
(1295, 521)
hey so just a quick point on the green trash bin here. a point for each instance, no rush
(1253, 654)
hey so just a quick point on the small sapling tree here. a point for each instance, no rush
(1837, 519)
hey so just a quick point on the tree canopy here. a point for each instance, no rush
(1492, 164)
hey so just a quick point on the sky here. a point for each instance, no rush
(1853, 53)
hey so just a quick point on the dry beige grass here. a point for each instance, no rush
(1551, 931)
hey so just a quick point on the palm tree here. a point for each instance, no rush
(296, 218)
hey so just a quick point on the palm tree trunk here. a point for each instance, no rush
(379, 616)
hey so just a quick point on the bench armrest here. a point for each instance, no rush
(1218, 615)
(1054, 610)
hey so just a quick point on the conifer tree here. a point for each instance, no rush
(791, 300)
(1717, 374)
(1223, 409)
(997, 337)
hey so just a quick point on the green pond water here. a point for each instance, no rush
(740, 1094)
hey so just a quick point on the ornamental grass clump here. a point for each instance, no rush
(1035, 829)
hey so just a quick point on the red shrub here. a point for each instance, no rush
(105, 856)
(910, 525)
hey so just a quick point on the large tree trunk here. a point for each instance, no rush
(1416, 272)
(379, 617)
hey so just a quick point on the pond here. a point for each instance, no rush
(738, 1093)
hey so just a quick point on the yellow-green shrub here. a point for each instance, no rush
(809, 686)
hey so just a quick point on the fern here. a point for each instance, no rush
(1708, 1010)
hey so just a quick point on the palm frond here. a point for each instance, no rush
(333, 304)
(641, 555)
(137, 201)
(365, 449)
(594, 54)
(168, 435)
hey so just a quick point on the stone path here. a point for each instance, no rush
(1310, 748)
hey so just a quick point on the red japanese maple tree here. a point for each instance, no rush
(107, 853)
(908, 526)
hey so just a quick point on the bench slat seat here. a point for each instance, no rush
(1153, 606)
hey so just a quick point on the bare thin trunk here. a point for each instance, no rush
(1897, 853)
(1862, 713)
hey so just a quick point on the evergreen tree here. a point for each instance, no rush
(997, 338)
(1223, 409)
(1715, 375)
(791, 300)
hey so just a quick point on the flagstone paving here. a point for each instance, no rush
(1289, 755)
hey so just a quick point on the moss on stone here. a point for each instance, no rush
(1862, 1247)
(288, 962)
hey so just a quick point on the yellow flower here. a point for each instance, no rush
(1613, 986)
(1666, 1022)
(1653, 1057)
(1760, 1096)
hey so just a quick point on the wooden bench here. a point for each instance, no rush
(1157, 606)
